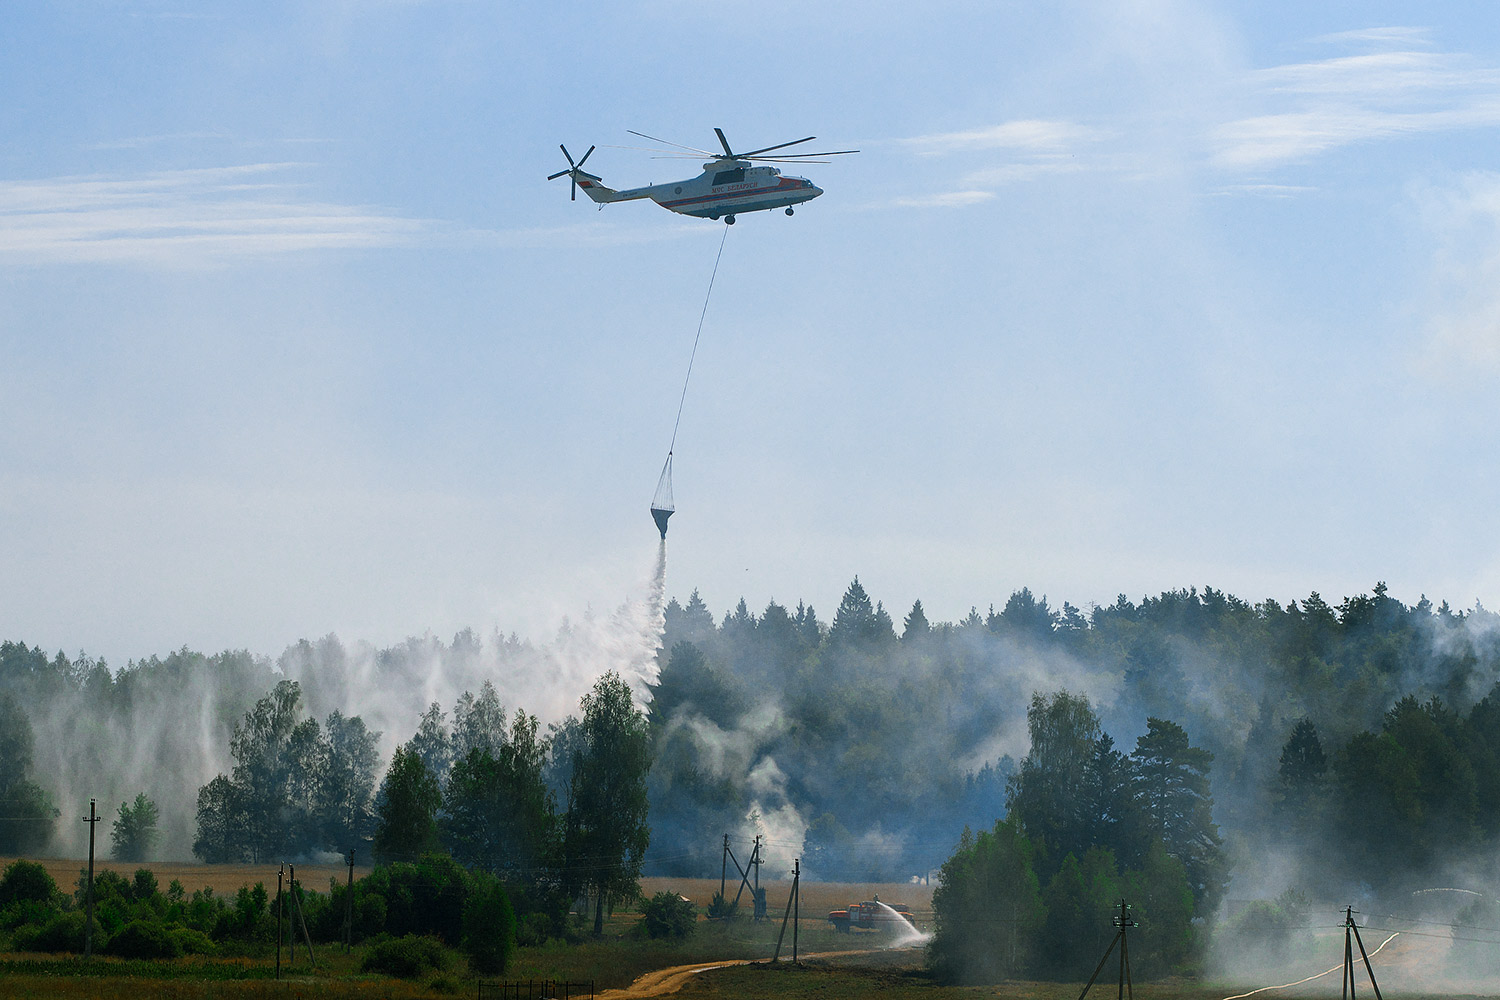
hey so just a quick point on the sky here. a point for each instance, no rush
(1117, 297)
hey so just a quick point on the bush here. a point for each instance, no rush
(26, 912)
(489, 927)
(193, 942)
(405, 957)
(26, 881)
(667, 914)
(721, 907)
(144, 939)
(62, 933)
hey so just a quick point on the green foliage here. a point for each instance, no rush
(489, 927)
(721, 906)
(144, 939)
(606, 834)
(193, 942)
(134, 834)
(987, 907)
(26, 881)
(1054, 794)
(1170, 777)
(668, 915)
(425, 898)
(497, 811)
(408, 804)
(64, 932)
(296, 786)
(407, 957)
(28, 813)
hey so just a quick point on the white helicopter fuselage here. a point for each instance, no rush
(726, 188)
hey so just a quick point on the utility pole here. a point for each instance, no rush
(279, 873)
(349, 906)
(301, 919)
(796, 903)
(1124, 922)
(724, 868)
(791, 913)
(1351, 928)
(88, 935)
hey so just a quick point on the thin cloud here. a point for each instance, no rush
(1266, 190)
(186, 217)
(1029, 135)
(142, 141)
(947, 199)
(1326, 104)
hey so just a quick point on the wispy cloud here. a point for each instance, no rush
(1317, 106)
(947, 199)
(1026, 135)
(187, 217)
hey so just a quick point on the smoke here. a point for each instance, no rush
(163, 726)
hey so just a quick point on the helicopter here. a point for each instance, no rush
(731, 184)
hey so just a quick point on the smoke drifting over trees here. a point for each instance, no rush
(863, 744)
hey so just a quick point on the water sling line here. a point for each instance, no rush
(662, 506)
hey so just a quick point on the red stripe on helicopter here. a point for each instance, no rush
(785, 184)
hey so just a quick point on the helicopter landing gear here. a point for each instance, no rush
(788, 211)
(728, 220)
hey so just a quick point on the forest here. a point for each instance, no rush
(1337, 747)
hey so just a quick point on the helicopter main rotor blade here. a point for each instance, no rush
(668, 142)
(724, 142)
(782, 145)
(797, 156)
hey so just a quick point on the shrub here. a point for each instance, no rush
(24, 912)
(26, 881)
(405, 957)
(489, 927)
(144, 939)
(193, 942)
(721, 907)
(61, 933)
(667, 914)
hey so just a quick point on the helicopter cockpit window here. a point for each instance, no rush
(734, 176)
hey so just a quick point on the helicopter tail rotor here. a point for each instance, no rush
(574, 171)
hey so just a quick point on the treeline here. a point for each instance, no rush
(884, 738)
(864, 742)
(555, 815)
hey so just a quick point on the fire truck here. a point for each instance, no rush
(869, 915)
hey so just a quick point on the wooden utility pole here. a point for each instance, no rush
(1351, 938)
(1124, 922)
(791, 909)
(296, 892)
(279, 873)
(796, 903)
(91, 819)
(724, 868)
(349, 906)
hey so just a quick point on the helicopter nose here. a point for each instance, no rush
(813, 188)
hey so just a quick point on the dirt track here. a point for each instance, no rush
(664, 981)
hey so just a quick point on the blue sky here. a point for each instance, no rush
(1117, 297)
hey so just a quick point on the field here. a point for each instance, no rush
(833, 966)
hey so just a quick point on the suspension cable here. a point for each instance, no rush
(693, 356)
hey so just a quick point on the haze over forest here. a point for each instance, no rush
(865, 741)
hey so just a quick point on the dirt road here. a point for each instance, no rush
(664, 981)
